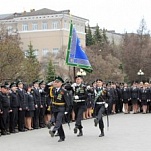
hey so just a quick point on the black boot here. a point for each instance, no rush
(75, 130)
(49, 125)
(3, 132)
(57, 134)
(80, 133)
(52, 133)
(102, 133)
(96, 122)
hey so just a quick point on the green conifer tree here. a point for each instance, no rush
(98, 39)
(89, 37)
(50, 72)
(31, 65)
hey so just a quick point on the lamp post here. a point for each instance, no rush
(81, 72)
(140, 73)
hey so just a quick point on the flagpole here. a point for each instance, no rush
(74, 73)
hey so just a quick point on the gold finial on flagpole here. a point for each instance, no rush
(70, 16)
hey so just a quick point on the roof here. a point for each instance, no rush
(43, 11)
(5, 16)
(33, 12)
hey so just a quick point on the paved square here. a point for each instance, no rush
(130, 132)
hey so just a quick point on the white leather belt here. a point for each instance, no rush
(100, 102)
(79, 101)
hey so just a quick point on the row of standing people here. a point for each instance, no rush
(136, 97)
(23, 107)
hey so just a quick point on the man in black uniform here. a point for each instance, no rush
(14, 105)
(38, 105)
(23, 106)
(5, 106)
(60, 106)
(101, 103)
(43, 103)
(79, 103)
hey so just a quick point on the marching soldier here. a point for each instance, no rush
(79, 103)
(60, 106)
(70, 91)
(101, 103)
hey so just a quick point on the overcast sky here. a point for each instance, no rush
(118, 15)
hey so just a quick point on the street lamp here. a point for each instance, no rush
(81, 72)
(140, 73)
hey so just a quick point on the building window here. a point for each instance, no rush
(66, 25)
(44, 25)
(82, 28)
(36, 52)
(25, 27)
(34, 26)
(10, 29)
(55, 63)
(45, 52)
(25, 53)
(55, 25)
(55, 51)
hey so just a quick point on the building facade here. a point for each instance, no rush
(47, 30)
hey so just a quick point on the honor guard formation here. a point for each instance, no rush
(25, 107)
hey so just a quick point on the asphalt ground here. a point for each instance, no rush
(127, 132)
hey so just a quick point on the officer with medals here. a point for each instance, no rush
(79, 103)
(60, 106)
(101, 103)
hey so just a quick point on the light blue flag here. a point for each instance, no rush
(76, 56)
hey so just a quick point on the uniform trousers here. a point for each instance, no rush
(41, 116)
(79, 110)
(36, 118)
(4, 119)
(21, 120)
(58, 115)
(100, 109)
(13, 119)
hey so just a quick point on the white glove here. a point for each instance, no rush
(106, 105)
(40, 90)
(76, 97)
(74, 85)
(65, 113)
(88, 87)
(50, 83)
